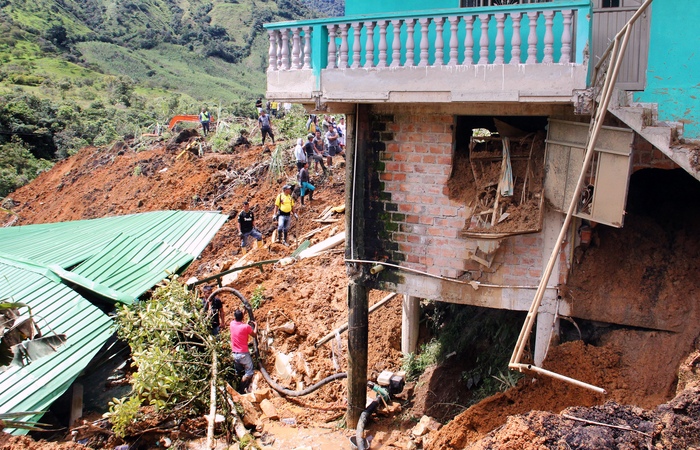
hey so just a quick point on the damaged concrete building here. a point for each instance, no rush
(487, 138)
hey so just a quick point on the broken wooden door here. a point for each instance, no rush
(604, 193)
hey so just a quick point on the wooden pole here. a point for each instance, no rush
(212, 403)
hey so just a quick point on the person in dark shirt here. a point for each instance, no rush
(313, 155)
(214, 310)
(265, 126)
(246, 225)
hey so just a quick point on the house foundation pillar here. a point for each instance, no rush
(410, 318)
(358, 326)
(547, 329)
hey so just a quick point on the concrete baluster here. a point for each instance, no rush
(410, 43)
(369, 44)
(307, 47)
(280, 66)
(383, 46)
(532, 38)
(566, 37)
(332, 48)
(548, 37)
(396, 43)
(424, 44)
(285, 50)
(454, 42)
(469, 40)
(344, 46)
(356, 44)
(515, 41)
(439, 42)
(296, 49)
(500, 38)
(272, 52)
(484, 40)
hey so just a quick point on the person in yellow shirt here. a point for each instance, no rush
(284, 208)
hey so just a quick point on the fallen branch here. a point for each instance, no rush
(344, 327)
(619, 427)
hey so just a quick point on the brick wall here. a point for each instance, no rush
(414, 222)
(646, 156)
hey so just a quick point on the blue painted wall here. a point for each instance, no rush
(673, 74)
(353, 7)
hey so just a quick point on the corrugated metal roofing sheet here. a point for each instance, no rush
(55, 308)
(116, 258)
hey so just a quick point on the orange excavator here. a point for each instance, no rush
(187, 118)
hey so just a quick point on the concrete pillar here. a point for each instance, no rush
(410, 317)
(547, 329)
(76, 407)
(358, 328)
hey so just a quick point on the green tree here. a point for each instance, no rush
(18, 166)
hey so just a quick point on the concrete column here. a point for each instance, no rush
(76, 408)
(547, 329)
(410, 317)
(357, 352)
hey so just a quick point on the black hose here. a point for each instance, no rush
(270, 381)
(364, 417)
(308, 390)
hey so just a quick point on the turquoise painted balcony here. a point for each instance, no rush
(536, 52)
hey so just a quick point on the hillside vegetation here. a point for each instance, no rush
(75, 73)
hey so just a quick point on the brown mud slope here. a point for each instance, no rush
(673, 425)
(650, 263)
(311, 293)
(636, 366)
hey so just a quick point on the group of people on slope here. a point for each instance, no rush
(283, 212)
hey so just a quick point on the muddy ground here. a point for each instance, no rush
(637, 367)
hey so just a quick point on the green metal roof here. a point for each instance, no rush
(115, 258)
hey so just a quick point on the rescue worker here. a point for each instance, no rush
(205, 119)
(284, 208)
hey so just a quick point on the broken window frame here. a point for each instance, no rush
(525, 196)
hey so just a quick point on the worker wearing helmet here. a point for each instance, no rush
(284, 208)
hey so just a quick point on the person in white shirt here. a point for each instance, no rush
(300, 154)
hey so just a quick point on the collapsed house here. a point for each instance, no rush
(61, 281)
(486, 139)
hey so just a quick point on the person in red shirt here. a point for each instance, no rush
(239, 346)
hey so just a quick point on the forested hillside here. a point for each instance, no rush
(86, 72)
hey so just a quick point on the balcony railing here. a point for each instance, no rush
(555, 33)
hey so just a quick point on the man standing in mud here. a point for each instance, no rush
(246, 225)
(205, 119)
(243, 362)
(265, 126)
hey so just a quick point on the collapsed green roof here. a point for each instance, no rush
(52, 268)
